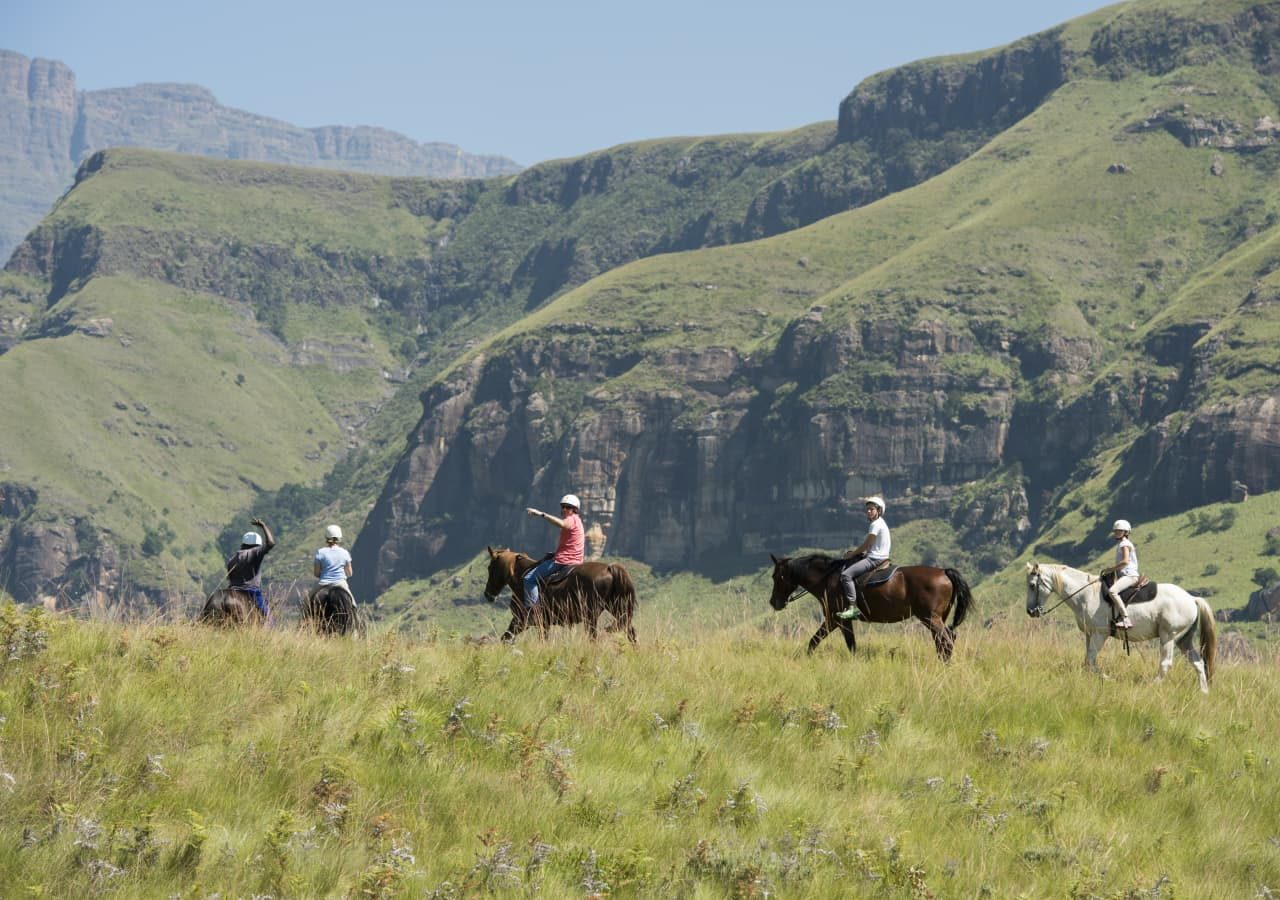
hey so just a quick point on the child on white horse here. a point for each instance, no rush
(1126, 569)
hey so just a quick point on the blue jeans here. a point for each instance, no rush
(258, 599)
(541, 572)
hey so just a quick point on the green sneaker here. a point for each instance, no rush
(850, 613)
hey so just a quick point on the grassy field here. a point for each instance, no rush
(165, 760)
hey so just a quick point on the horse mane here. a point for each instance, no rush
(823, 561)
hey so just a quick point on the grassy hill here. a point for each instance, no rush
(158, 760)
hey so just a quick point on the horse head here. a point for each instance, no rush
(1039, 588)
(783, 583)
(501, 568)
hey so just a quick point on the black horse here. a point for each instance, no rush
(330, 609)
(592, 588)
(231, 608)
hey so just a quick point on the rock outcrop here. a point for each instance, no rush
(707, 471)
(48, 127)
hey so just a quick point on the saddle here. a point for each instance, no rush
(879, 575)
(1141, 592)
(559, 577)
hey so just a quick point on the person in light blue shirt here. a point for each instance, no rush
(332, 563)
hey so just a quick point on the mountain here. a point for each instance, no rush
(1075, 322)
(1019, 292)
(50, 127)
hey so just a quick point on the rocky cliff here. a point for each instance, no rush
(49, 128)
(1068, 347)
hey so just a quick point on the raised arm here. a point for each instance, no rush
(269, 538)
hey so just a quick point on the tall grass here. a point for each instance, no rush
(170, 760)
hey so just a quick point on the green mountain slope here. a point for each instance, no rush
(968, 346)
(1059, 252)
(359, 276)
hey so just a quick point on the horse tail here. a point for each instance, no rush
(961, 594)
(622, 604)
(1208, 636)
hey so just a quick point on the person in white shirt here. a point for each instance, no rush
(870, 553)
(332, 563)
(1125, 569)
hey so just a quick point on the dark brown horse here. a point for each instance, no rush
(592, 588)
(921, 591)
(230, 608)
(330, 609)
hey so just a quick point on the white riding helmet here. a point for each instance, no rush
(1122, 525)
(251, 539)
(571, 500)
(877, 500)
(333, 533)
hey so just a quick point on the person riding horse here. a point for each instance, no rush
(245, 565)
(569, 549)
(870, 554)
(1125, 570)
(332, 562)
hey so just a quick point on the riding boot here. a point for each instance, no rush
(851, 606)
(1122, 614)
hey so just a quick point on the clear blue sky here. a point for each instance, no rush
(529, 79)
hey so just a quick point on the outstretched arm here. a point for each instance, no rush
(270, 539)
(539, 514)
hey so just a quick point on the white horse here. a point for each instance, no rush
(1171, 617)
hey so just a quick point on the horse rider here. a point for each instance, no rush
(873, 551)
(1125, 569)
(332, 562)
(569, 548)
(244, 566)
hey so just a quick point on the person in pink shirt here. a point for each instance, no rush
(569, 549)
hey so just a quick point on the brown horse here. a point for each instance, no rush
(592, 588)
(330, 609)
(921, 591)
(230, 608)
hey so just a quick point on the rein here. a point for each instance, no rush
(800, 590)
(1064, 599)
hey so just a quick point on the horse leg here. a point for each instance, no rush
(1166, 656)
(846, 629)
(823, 630)
(942, 638)
(1196, 660)
(518, 624)
(1093, 642)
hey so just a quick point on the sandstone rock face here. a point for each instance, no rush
(38, 116)
(47, 128)
(926, 99)
(1199, 459)
(704, 473)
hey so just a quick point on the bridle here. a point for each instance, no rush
(1040, 606)
(800, 590)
